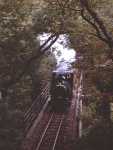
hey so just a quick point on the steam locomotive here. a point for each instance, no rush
(61, 88)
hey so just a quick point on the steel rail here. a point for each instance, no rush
(56, 138)
(56, 132)
(47, 126)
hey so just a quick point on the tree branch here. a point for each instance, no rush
(66, 3)
(85, 4)
(98, 32)
(41, 50)
(108, 39)
(60, 4)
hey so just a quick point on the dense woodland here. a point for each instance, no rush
(24, 62)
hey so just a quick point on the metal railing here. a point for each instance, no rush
(32, 113)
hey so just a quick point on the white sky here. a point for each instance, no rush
(67, 54)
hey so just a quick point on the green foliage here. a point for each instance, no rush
(105, 84)
(17, 44)
(11, 127)
(98, 137)
(46, 66)
(19, 27)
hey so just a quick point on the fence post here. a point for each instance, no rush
(79, 107)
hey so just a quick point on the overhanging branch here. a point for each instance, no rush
(41, 50)
(93, 14)
(98, 32)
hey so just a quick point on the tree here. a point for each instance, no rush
(19, 50)
(89, 25)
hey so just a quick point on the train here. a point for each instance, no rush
(61, 90)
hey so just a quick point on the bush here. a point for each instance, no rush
(100, 137)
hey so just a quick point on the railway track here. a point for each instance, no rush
(54, 131)
(50, 135)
